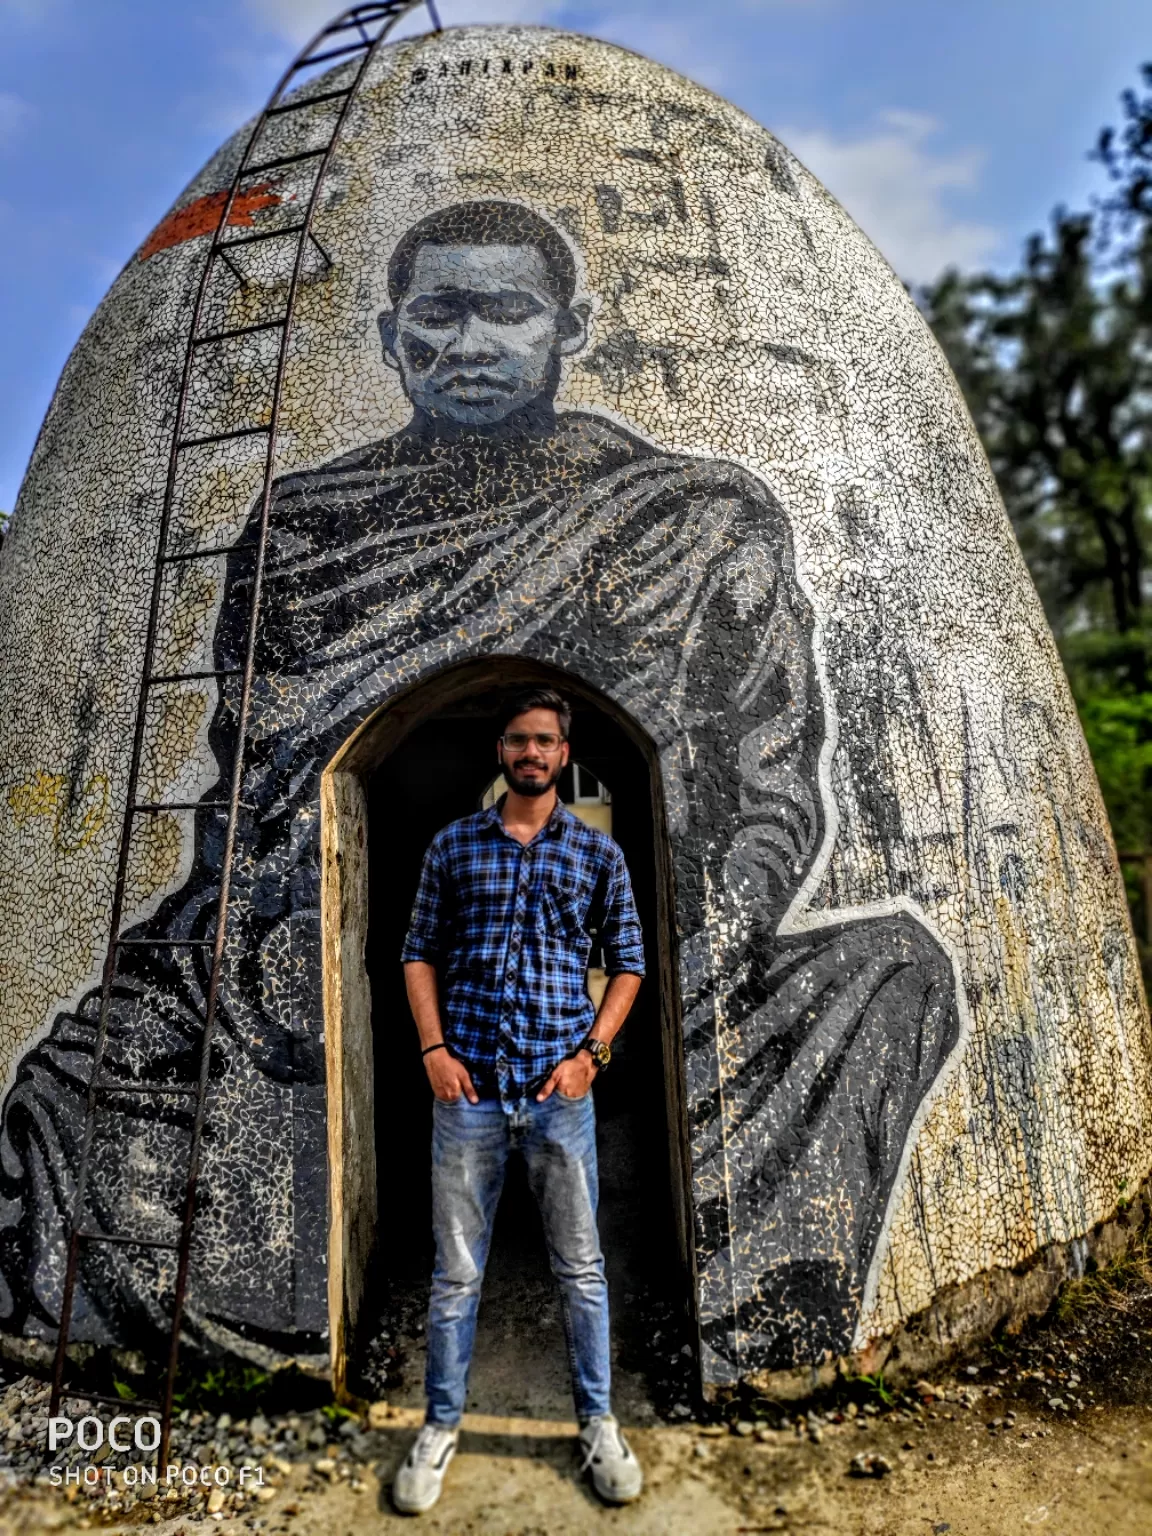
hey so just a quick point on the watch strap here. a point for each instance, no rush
(594, 1048)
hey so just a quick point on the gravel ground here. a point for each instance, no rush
(1052, 1429)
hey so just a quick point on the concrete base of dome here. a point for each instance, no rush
(962, 1317)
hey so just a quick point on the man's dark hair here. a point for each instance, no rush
(485, 222)
(524, 699)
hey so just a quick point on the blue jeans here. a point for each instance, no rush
(470, 1148)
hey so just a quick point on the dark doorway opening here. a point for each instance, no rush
(437, 772)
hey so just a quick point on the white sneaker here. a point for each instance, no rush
(616, 1474)
(418, 1483)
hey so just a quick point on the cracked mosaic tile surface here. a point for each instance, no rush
(600, 376)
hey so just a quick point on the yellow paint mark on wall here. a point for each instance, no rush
(82, 816)
(37, 796)
(155, 860)
(76, 818)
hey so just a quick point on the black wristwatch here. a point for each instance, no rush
(599, 1050)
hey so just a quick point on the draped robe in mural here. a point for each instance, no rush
(668, 582)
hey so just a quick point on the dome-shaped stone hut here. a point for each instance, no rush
(586, 379)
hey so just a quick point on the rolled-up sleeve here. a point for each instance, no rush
(621, 936)
(425, 936)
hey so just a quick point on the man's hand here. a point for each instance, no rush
(449, 1078)
(573, 1078)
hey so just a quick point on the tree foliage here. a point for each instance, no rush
(1055, 360)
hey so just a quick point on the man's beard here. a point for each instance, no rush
(531, 788)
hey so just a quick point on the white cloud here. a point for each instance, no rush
(895, 186)
(14, 113)
(298, 20)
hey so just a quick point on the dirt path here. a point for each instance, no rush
(1052, 1430)
(1079, 1480)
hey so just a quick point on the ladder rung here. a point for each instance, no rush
(128, 1242)
(208, 554)
(191, 677)
(359, 23)
(377, 14)
(308, 101)
(374, 13)
(158, 807)
(239, 330)
(261, 234)
(116, 1085)
(78, 1394)
(332, 53)
(164, 943)
(275, 165)
(219, 437)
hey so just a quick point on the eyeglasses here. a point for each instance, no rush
(516, 741)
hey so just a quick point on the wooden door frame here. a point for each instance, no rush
(352, 1174)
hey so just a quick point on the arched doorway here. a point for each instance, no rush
(422, 762)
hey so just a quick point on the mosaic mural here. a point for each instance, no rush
(588, 370)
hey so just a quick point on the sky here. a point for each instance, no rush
(948, 128)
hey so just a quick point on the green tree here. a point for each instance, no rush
(1126, 155)
(1055, 361)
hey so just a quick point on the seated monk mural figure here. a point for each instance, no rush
(495, 524)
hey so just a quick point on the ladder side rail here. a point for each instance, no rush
(400, 8)
(64, 1327)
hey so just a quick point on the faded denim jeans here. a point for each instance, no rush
(471, 1144)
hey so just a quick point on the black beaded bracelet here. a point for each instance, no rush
(441, 1045)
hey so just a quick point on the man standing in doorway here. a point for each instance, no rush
(495, 963)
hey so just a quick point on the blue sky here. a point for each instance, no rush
(948, 129)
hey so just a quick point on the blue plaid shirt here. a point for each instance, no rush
(506, 926)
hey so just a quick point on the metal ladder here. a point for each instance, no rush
(354, 36)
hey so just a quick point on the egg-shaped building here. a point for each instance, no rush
(504, 355)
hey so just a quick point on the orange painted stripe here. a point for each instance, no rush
(202, 216)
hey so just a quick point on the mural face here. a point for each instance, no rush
(478, 331)
(647, 409)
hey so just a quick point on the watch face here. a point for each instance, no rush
(602, 1053)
